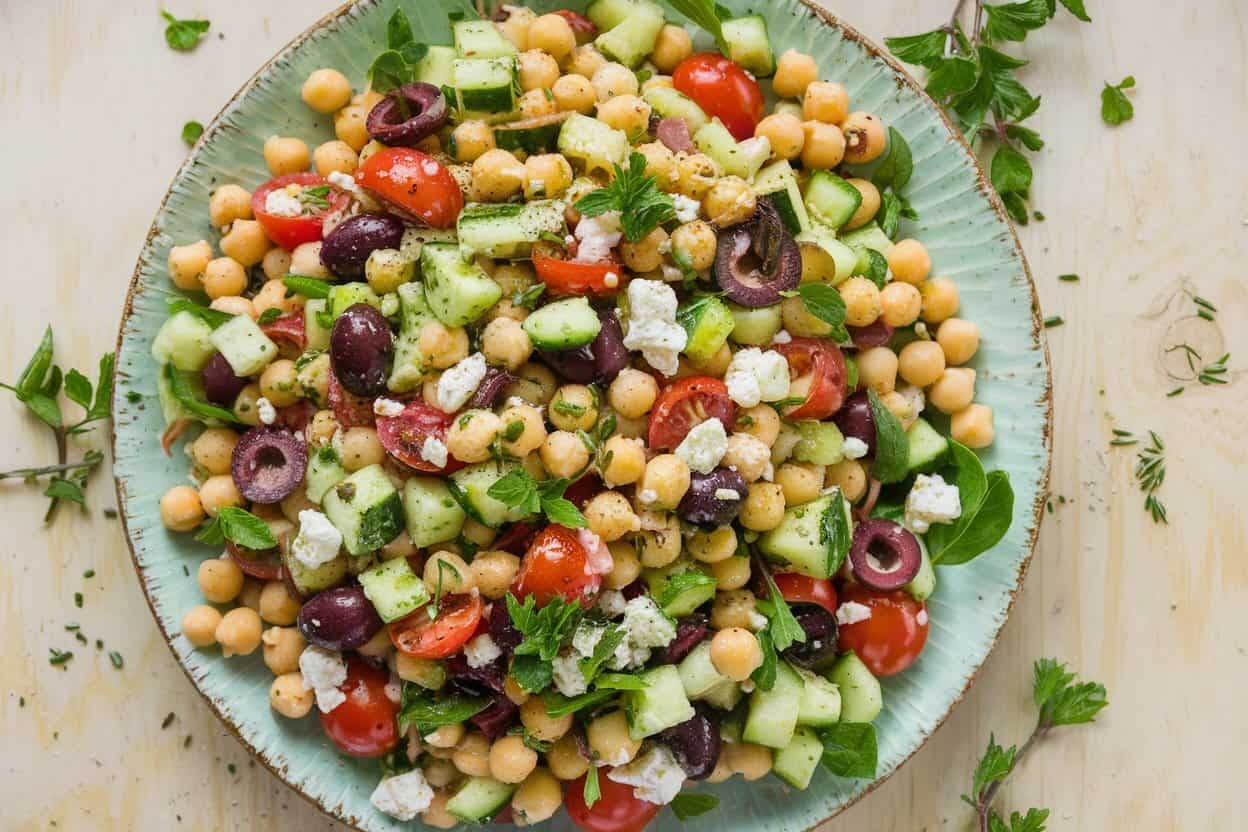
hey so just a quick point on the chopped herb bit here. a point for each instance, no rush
(183, 35)
(1068, 278)
(1175, 392)
(1055, 320)
(1150, 473)
(133, 396)
(1214, 373)
(1115, 106)
(168, 720)
(191, 131)
(78, 600)
(116, 659)
(59, 657)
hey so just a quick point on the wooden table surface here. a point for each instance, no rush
(93, 102)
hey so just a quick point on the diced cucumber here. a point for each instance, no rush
(778, 184)
(923, 584)
(861, 696)
(185, 341)
(324, 472)
(480, 39)
(307, 582)
(821, 443)
(798, 542)
(508, 232)
(437, 67)
(457, 291)
(749, 46)
(410, 364)
(821, 700)
(744, 159)
(681, 587)
(830, 199)
(928, 449)
(469, 485)
(633, 38)
(485, 85)
(731, 726)
(345, 295)
(592, 143)
(724, 696)
(245, 346)
(414, 240)
(433, 516)
(755, 327)
(772, 716)
(563, 325)
(479, 799)
(607, 14)
(869, 236)
(660, 705)
(317, 335)
(394, 589)
(366, 508)
(698, 674)
(667, 102)
(824, 258)
(708, 322)
(170, 407)
(795, 764)
(428, 673)
(533, 135)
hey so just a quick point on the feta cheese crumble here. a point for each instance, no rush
(566, 675)
(265, 410)
(282, 203)
(346, 182)
(645, 627)
(687, 208)
(758, 621)
(434, 451)
(704, 446)
(457, 384)
(323, 671)
(481, 651)
(404, 796)
(921, 618)
(596, 236)
(655, 776)
(782, 337)
(854, 448)
(755, 376)
(726, 494)
(318, 540)
(931, 500)
(851, 612)
(387, 407)
(652, 327)
(612, 603)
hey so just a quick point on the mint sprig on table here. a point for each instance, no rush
(184, 35)
(1115, 106)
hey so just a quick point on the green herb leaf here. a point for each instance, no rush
(389, 71)
(191, 131)
(1012, 21)
(1076, 8)
(892, 448)
(31, 379)
(705, 14)
(398, 30)
(183, 35)
(180, 388)
(681, 583)
(691, 804)
(1115, 106)
(558, 705)
(987, 511)
(1029, 138)
(564, 512)
(1010, 172)
(604, 649)
(764, 676)
(532, 673)
(849, 749)
(269, 315)
(642, 206)
(1062, 701)
(877, 268)
(835, 532)
(245, 529)
(421, 708)
(994, 766)
(516, 488)
(826, 304)
(102, 405)
(897, 167)
(45, 408)
(889, 216)
(952, 76)
(309, 287)
(60, 488)
(213, 317)
(527, 298)
(784, 629)
(78, 389)
(546, 630)
(927, 49)
(591, 792)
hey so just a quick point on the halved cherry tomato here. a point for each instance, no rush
(349, 409)
(617, 809)
(289, 232)
(820, 367)
(288, 332)
(364, 725)
(802, 589)
(891, 639)
(436, 638)
(582, 26)
(555, 566)
(685, 403)
(404, 436)
(267, 566)
(723, 89)
(414, 184)
(568, 277)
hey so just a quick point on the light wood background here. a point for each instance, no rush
(92, 102)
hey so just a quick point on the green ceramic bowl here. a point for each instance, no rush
(964, 227)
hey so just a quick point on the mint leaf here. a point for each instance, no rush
(213, 317)
(592, 665)
(532, 673)
(45, 408)
(1049, 676)
(181, 390)
(889, 216)
(764, 676)
(423, 709)
(826, 304)
(389, 71)
(689, 804)
(637, 197)
(1115, 106)
(970, 537)
(398, 30)
(558, 705)
(191, 131)
(102, 405)
(1062, 701)
(783, 629)
(951, 76)
(516, 488)
(1010, 171)
(897, 167)
(1033, 821)
(60, 488)
(1029, 138)
(564, 513)
(183, 35)
(245, 529)
(892, 448)
(995, 765)
(681, 583)
(927, 49)
(1012, 21)
(78, 389)
(31, 379)
(211, 533)
(705, 14)
(1076, 8)
(850, 749)
(545, 630)
(835, 532)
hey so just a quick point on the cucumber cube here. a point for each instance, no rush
(433, 516)
(457, 292)
(795, 764)
(345, 295)
(394, 589)
(185, 341)
(593, 143)
(366, 508)
(318, 335)
(861, 696)
(324, 472)
(245, 346)
(660, 705)
(708, 321)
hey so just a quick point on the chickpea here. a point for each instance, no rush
(234, 306)
(450, 572)
(350, 125)
(277, 605)
(921, 362)
(565, 760)
(610, 516)
(279, 383)
(497, 175)
(536, 384)
(511, 760)
(825, 101)
(748, 455)
(645, 255)
(695, 242)
(360, 448)
(673, 45)
(272, 295)
(238, 633)
(536, 104)
(245, 405)
(471, 139)
(288, 697)
(900, 304)
(850, 476)
(730, 201)
(721, 773)
(626, 460)
(335, 157)
(973, 426)
(868, 208)
(632, 393)
(585, 60)
(660, 163)
(713, 546)
(865, 138)
(275, 264)
(199, 625)
(630, 428)
(824, 145)
(953, 391)
(731, 573)
(441, 773)
(246, 242)
(546, 175)
(213, 449)
(659, 547)
(909, 261)
(959, 339)
(626, 112)
(664, 482)
(436, 815)
(530, 435)
(369, 149)
(286, 154)
(763, 508)
(441, 345)
(538, 70)
(282, 646)
(445, 736)
(695, 174)
(573, 408)
(761, 422)
(188, 263)
(324, 426)
(626, 566)
(574, 93)
(493, 572)
(227, 204)
(611, 80)
(940, 300)
(751, 761)
(516, 26)
(220, 580)
(217, 492)
(801, 482)
(735, 653)
(540, 724)
(402, 547)
(901, 407)
(386, 269)
(734, 608)
(552, 33)
(877, 369)
(795, 72)
(180, 509)
(785, 134)
(471, 435)
(472, 757)
(798, 321)
(538, 797)
(609, 739)
(326, 90)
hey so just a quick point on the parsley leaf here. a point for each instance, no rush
(835, 532)
(518, 489)
(1115, 106)
(531, 673)
(309, 287)
(591, 793)
(642, 206)
(826, 304)
(544, 630)
(689, 804)
(1061, 702)
(182, 388)
(191, 131)
(183, 35)
(604, 649)
(850, 749)
(764, 676)
(238, 526)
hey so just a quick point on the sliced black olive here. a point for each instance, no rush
(884, 555)
(268, 464)
(408, 115)
(758, 259)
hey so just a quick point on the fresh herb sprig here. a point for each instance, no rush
(1061, 700)
(238, 526)
(1214, 372)
(396, 66)
(518, 489)
(184, 35)
(545, 632)
(1115, 106)
(642, 206)
(1150, 473)
(191, 131)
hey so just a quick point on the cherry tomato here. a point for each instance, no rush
(436, 638)
(820, 367)
(723, 89)
(555, 566)
(802, 589)
(404, 436)
(267, 566)
(617, 809)
(364, 725)
(891, 639)
(685, 403)
(582, 26)
(289, 232)
(349, 409)
(568, 277)
(288, 332)
(414, 184)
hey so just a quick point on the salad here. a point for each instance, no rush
(576, 426)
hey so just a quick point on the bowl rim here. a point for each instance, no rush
(984, 186)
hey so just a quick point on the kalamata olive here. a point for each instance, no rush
(502, 630)
(758, 260)
(872, 335)
(490, 387)
(408, 115)
(221, 385)
(884, 555)
(496, 719)
(361, 350)
(695, 744)
(268, 464)
(347, 247)
(341, 618)
(674, 133)
(690, 632)
(634, 590)
(598, 361)
(855, 419)
(708, 501)
(819, 648)
(487, 677)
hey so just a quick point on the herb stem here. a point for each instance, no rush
(26, 473)
(983, 805)
(62, 457)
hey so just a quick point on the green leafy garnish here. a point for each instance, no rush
(783, 629)
(396, 66)
(705, 14)
(591, 792)
(213, 317)
(681, 583)
(691, 804)
(191, 131)
(1115, 106)
(987, 510)
(849, 749)
(642, 206)
(892, 448)
(764, 676)
(269, 315)
(183, 35)
(518, 489)
(527, 298)
(238, 526)
(180, 388)
(427, 711)
(309, 287)
(590, 666)
(545, 632)
(896, 168)
(826, 304)
(835, 532)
